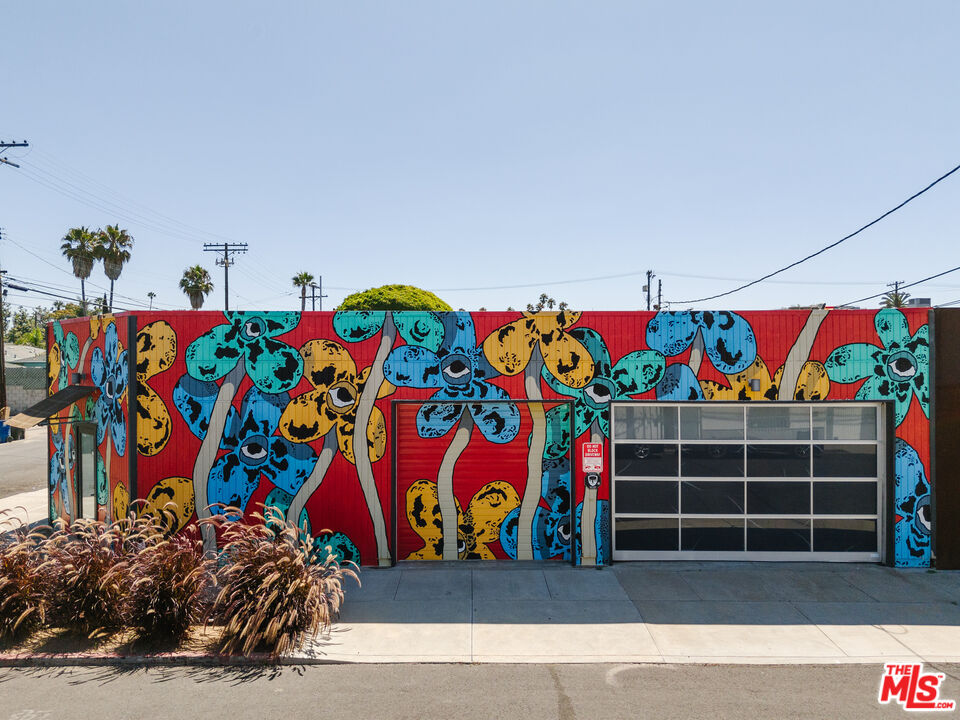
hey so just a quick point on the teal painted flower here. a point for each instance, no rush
(896, 371)
(273, 366)
(633, 374)
(416, 327)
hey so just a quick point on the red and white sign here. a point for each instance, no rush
(912, 688)
(592, 455)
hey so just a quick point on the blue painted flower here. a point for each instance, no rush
(601, 530)
(273, 366)
(459, 371)
(551, 525)
(253, 448)
(108, 370)
(728, 341)
(912, 507)
(61, 462)
(897, 371)
(633, 374)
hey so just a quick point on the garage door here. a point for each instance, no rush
(473, 463)
(735, 481)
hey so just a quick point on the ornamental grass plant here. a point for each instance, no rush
(275, 592)
(86, 571)
(22, 602)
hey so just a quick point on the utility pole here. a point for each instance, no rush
(314, 289)
(4, 145)
(896, 290)
(650, 277)
(659, 294)
(227, 249)
(3, 352)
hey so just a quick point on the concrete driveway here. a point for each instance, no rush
(648, 612)
(23, 463)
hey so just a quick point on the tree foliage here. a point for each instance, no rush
(895, 299)
(27, 327)
(545, 302)
(394, 297)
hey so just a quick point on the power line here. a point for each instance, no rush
(824, 249)
(901, 287)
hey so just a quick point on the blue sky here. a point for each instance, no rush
(477, 145)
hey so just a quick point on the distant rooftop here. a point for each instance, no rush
(23, 354)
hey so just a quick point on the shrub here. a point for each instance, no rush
(22, 607)
(272, 596)
(168, 583)
(86, 571)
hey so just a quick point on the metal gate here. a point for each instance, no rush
(480, 481)
(735, 481)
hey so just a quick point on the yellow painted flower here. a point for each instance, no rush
(333, 401)
(156, 352)
(476, 528)
(171, 501)
(812, 384)
(121, 501)
(509, 348)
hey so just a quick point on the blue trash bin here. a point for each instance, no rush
(4, 432)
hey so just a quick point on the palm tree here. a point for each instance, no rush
(80, 247)
(151, 295)
(196, 283)
(895, 299)
(114, 250)
(302, 280)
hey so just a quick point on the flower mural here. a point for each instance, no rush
(755, 383)
(477, 528)
(728, 341)
(459, 372)
(913, 514)
(108, 370)
(156, 352)
(326, 544)
(272, 365)
(633, 374)
(170, 501)
(897, 370)
(63, 356)
(551, 524)
(253, 448)
(510, 348)
(337, 388)
(61, 471)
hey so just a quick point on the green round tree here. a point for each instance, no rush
(394, 297)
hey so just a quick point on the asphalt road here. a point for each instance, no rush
(458, 692)
(23, 464)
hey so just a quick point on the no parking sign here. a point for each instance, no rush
(592, 457)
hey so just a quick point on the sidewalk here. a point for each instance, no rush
(768, 613)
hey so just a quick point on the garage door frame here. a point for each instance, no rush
(884, 489)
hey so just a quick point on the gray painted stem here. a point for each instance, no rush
(538, 442)
(312, 483)
(799, 354)
(208, 451)
(361, 452)
(588, 516)
(445, 497)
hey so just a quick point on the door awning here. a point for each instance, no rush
(50, 407)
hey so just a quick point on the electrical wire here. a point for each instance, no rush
(823, 249)
(902, 287)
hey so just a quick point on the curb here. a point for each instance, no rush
(106, 660)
